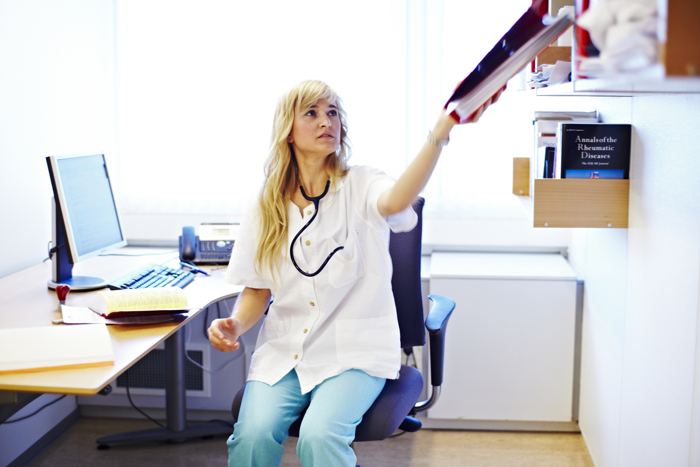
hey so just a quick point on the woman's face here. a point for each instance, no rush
(316, 130)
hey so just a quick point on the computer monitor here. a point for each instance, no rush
(85, 218)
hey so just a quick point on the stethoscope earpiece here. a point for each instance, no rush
(316, 200)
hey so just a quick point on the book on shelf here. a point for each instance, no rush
(139, 302)
(548, 169)
(545, 157)
(41, 348)
(533, 32)
(593, 150)
(546, 124)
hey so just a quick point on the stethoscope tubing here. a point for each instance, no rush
(316, 200)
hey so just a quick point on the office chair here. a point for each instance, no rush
(398, 401)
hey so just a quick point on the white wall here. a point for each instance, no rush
(639, 397)
(56, 97)
(661, 321)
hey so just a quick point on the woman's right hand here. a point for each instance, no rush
(224, 333)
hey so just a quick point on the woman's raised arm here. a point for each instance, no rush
(417, 174)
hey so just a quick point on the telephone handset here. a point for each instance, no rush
(213, 245)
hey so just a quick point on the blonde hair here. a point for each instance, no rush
(282, 172)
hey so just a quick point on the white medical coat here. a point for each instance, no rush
(343, 318)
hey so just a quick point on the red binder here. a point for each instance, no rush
(527, 38)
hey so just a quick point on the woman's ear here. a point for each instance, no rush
(290, 139)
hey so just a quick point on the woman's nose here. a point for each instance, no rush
(326, 121)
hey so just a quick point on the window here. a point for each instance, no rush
(197, 84)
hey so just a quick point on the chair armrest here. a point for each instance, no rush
(436, 325)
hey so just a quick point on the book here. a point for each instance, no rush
(139, 302)
(533, 32)
(593, 150)
(54, 347)
(545, 146)
(546, 124)
(84, 315)
(549, 153)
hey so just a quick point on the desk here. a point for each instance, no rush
(27, 302)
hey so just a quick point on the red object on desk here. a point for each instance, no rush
(62, 292)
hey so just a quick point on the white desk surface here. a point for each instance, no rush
(26, 301)
(518, 266)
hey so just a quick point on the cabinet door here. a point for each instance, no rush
(509, 352)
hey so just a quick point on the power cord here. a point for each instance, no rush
(36, 412)
(128, 395)
(188, 334)
(239, 353)
(48, 249)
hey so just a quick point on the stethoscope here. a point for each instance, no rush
(315, 200)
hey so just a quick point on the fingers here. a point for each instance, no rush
(223, 344)
(222, 336)
(473, 118)
(496, 96)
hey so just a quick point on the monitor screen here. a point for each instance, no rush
(86, 214)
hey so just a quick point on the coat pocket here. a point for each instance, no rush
(347, 265)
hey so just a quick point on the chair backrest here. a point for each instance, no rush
(405, 251)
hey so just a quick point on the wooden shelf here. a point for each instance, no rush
(581, 203)
(521, 176)
(617, 88)
(552, 54)
(677, 70)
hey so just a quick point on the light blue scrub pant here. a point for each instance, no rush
(336, 407)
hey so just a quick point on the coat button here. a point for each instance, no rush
(308, 242)
(296, 356)
(305, 331)
(313, 304)
(308, 213)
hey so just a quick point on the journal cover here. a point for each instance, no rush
(594, 150)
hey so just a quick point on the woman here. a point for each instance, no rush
(331, 337)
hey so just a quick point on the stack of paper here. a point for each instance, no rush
(54, 347)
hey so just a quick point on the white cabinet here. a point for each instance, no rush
(510, 348)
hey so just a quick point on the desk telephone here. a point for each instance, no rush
(213, 245)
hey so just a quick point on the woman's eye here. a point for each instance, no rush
(311, 113)
(333, 113)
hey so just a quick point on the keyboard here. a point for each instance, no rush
(152, 275)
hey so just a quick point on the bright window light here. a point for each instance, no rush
(197, 84)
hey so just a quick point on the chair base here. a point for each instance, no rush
(410, 425)
(164, 434)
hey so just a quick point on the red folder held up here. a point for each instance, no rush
(527, 38)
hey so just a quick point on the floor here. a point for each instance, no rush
(425, 448)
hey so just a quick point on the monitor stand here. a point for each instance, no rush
(61, 266)
(80, 283)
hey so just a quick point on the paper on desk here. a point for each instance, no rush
(84, 315)
(59, 347)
